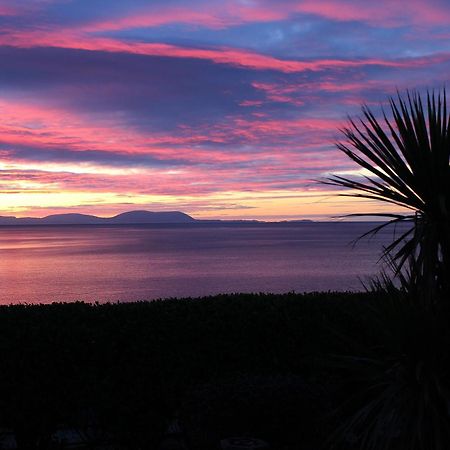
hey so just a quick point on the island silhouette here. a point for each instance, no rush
(130, 217)
(127, 218)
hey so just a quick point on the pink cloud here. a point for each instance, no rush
(267, 136)
(351, 92)
(230, 13)
(8, 10)
(253, 152)
(267, 171)
(216, 16)
(262, 168)
(223, 55)
(300, 92)
(383, 12)
(251, 103)
(37, 126)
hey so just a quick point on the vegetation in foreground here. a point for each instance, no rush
(125, 370)
(263, 365)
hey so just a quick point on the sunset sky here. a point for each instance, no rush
(220, 109)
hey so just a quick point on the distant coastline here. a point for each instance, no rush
(127, 218)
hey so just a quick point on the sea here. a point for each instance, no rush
(122, 263)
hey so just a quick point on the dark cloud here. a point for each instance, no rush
(42, 153)
(154, 92)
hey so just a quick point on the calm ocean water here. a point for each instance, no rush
(45, 264)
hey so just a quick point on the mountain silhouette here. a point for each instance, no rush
(70, 218)
(152, 217)
(131, 217)
(128, 218)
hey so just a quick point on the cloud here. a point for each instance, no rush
(231, 13)
(384, 12)
(229, 56)
(214, 106)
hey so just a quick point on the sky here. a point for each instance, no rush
(222, 109)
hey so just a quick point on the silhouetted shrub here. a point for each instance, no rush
(131, 365)
(280, 409)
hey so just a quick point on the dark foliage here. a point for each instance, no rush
(259, 364)
(122, 371)
(395, 379)
(280, 409)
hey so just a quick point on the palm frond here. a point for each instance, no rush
(407, 154)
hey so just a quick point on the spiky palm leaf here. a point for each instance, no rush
(407, 156)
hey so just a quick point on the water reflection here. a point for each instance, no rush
(45, 264)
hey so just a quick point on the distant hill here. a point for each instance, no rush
(152, 217)
(68, 219)
(131, 217)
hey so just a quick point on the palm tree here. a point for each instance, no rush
(400, 392)
(407, 158)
